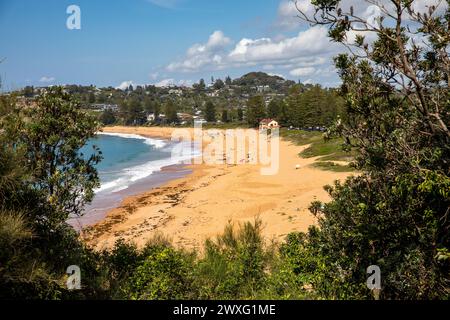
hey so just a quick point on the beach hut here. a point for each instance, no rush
(267, 124)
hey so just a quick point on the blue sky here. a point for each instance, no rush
(158, 42)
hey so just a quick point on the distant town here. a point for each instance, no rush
(244, 101)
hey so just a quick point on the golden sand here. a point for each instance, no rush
(191, 209)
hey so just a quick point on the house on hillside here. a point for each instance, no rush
(103, 107)
(262, 89)
(266, 124)
(184, 118)
(151, 117)
(176, 92)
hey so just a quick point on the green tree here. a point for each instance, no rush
(219, 84)
(200, 86)
(171, 112)
(28, 91)
(148, 105)
(283, 117)
(107, 117)
(256, 110)
(52, 134)
(225, 116)
(91, 98)
(134, 112)
(210, 112)
(394, 214)
(157, 111)
(240, 114)
(273, 109)
(36, 245)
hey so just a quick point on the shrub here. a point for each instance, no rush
(165, 274)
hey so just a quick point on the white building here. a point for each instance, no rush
(266, 124)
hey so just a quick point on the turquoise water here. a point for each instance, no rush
(129, 158)
(131, 165)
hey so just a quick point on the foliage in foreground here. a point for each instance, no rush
(395, 214)
(237, 265)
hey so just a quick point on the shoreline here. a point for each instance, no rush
(98, 210)
(197, 206)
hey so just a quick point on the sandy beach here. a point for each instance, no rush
(197, 207)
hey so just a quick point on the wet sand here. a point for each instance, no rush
(101, 205)
(196, 207)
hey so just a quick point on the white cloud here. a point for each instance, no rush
(288, 14)
(173, 82)
(313, 41)
(185, 83)
(47, 79)
(276, 75)
(165, 83)
(125, 84)
(310, 47)
(200, 55)
(307, 54)
(301, 72)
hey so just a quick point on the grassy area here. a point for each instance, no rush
(301, 137)
(331, 166)
(328, 151)
(224, 126)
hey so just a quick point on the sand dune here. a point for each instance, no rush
(197, 207)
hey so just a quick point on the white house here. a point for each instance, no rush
(266, 124)
(151, 117)
(177, 92)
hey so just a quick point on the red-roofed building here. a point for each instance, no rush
(266, 124)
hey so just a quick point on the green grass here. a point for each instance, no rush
(330, 166)
(330, 150)
(300, 137)
(224, 126)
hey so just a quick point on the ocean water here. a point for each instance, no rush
(128, 158)
(131, 164)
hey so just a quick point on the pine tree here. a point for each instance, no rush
(225, 116)
(210, 112)
(256, 110)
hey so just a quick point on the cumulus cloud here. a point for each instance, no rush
(312, 41)
(307, 54)
(308, 48)
(47, 79)
(166, 83)
(301, 72)
(276, 75)
(163, 83)
(173, 82)
(288, 13)
(200, 55)
(125, 84)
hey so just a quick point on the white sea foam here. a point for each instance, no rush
(131, 175)
(157, 143)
